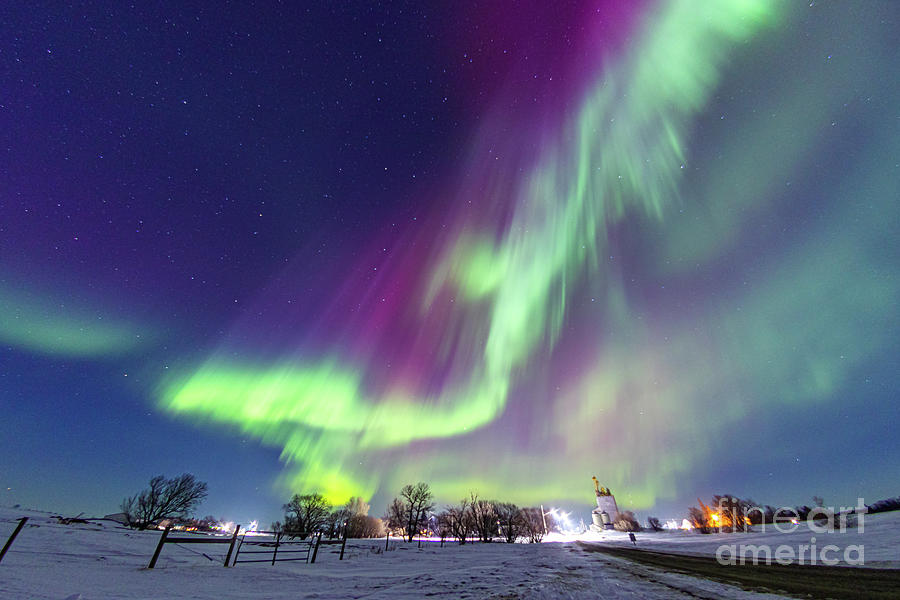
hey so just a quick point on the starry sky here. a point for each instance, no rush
(344, 246)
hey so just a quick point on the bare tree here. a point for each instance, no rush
(730, 516)
(701, 518)
(457, 520)
(357, 523)
(164, 499)
(357, 507)
(443, 529)
(510, 521)
(394, 518)
(484, 517)
(416, 501)
(533, 522)
(336, 520)
(364, 526)
(698, 519)
(305, 514)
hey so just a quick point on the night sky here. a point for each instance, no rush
(344, 246)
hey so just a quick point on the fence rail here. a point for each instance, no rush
(165, 539)
(277, 546)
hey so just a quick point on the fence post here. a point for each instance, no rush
(237, 550)
(343, 543)
(316, 549)
(275, 551)
(387, 540)
(162, 540)
(12, 538)
(231, 545)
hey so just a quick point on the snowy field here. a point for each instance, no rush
(878, 540)
(54, 561)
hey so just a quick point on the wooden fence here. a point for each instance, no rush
(165, 539)
(273, 542)
(305, 550)
(12, 538)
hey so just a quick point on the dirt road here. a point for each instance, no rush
(805, 581)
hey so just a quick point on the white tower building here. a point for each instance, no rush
(602, 517)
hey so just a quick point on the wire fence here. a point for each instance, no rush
(165, 539)
(273, 542)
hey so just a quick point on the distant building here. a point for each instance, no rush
(117, 517)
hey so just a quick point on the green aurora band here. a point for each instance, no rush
(44, 325)
(621, 159)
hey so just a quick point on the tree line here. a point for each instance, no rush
(727, 513)
(473, 518)
(413, 513)
(308, 514)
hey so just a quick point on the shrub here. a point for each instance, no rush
(626, 521)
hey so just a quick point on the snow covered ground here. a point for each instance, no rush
(877, 542)
(54, 561)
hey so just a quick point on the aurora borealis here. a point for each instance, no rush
(345, 249)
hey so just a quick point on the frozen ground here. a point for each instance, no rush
(878, 540)
(54, 561)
